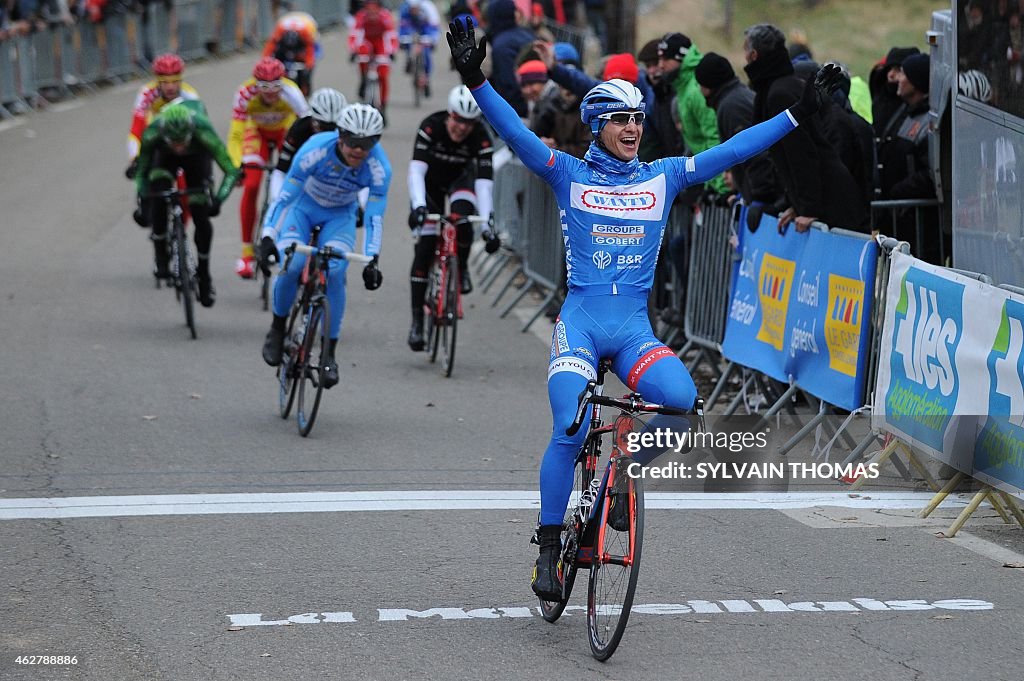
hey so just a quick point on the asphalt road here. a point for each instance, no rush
(105, 397)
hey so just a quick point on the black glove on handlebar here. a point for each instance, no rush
(268, 253)
(468, 56)
(417, 217)
(372, 277)
(817, 90)
(132, 168)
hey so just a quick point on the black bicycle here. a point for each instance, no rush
(306, 338)
(182, 262)
(604, 529)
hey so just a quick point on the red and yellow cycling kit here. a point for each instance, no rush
(305, 26)
(148, 103)
(255, 123)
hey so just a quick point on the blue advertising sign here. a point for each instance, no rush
(800, 309)
(999, 451)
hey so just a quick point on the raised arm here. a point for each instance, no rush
(749, 142)
(534, 154)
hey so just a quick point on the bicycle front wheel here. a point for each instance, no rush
(450, 316)
(314, 355)
(615, 566)
(185, 275)
(287, 375)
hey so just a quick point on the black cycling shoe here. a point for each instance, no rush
(207, 293)
(416, 340)
(465, 282)
(273, 346)
(548, 579)
(329, 373)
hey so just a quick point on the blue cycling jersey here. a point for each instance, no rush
(613, 212)
(319, 174)
(321, 189)
(612, 215)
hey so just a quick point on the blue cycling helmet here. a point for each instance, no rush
(609, 97)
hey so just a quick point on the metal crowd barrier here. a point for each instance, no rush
(886, 217)
(52, 62)
(707, 285)
(539, 246)
(509, 187)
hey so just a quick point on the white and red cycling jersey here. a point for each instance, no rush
(374, 28)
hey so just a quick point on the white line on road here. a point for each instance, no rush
(427, 500)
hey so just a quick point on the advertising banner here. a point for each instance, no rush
(801, 310)
(951, 372)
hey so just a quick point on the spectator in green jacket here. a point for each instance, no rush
(678, 57)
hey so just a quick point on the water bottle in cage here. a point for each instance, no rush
(587, 500)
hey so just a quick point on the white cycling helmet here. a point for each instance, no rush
(609, 97)
(974, 84)
(327, 105)
(361, 120)
(462, 104)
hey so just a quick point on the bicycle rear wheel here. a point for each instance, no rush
(186, 279)
(582, 476)
(310, 376)
(373, 88)
(450, 316)
(287, 375)
(615, 567)
(417, 76)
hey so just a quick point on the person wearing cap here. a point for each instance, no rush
(882, 85)
(678, 56)
(534, 85)
(733, 103)
(816, 184)
(660, 101)
(904, 169)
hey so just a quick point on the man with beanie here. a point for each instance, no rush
(733, 103)
(666, 140)
(882, 85)
(506, 38)
(535, 86)
(903, 158)
(678, 57)
(816, 183)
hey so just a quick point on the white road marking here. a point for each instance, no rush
(758, 606)
(428, 500)
(12, 123)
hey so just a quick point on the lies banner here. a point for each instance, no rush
(801, 309)
(951, 370)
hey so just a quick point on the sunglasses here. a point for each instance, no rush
(624, 117)
(464, 121)
(353, 142)
(268, 85)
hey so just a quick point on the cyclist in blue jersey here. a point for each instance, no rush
(613, 214)
(322, 188)
(419, 18)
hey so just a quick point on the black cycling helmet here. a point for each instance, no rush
(291, 41)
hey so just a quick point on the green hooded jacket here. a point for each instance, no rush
(700, 125)
(204, 141)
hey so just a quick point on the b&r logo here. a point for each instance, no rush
(843, 324)
(774, 290)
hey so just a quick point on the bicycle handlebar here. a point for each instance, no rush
(631, 403)
(175, 193)
(475, 219)
(327, 252)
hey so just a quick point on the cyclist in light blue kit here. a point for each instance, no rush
(613, 214)
(321, 188)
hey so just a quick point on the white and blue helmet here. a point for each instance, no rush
(609, 97)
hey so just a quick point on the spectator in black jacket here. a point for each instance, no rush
(903, 156)
(733, 103)
(506, 37)
(852, 137)
(882, 85)
(817, 184)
